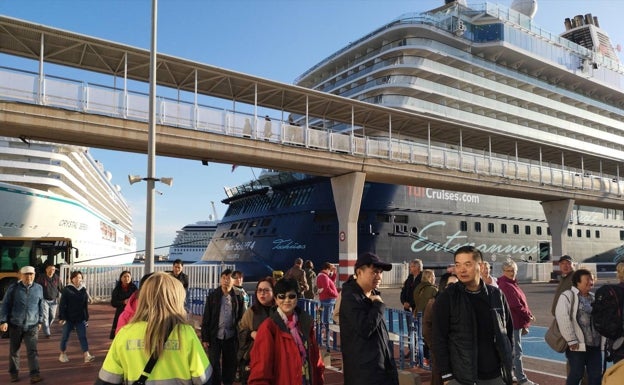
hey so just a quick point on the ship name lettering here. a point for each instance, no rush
(454, 242)
(287, 244)
(239, 246)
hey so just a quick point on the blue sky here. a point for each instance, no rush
(274, 39)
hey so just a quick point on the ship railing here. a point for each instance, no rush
(100, 280)
(23, 86)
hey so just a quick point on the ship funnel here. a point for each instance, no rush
(578, 21)
(596, 22)
(589, 19)
(568, 24)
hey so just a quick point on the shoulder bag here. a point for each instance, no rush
(553, 336)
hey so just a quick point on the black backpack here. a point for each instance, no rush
(607, 311)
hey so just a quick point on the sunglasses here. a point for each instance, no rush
(284, 296)
(264, 290)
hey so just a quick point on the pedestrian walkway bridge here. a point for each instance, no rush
(20, 90)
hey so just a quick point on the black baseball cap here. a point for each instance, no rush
(565, 258)
(372, 259)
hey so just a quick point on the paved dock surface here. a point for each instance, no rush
(544, 371)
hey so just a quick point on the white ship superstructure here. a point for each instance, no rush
(192, 240)
(50, 189)
(506, 85)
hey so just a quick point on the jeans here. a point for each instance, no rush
(30, 338)
(517, 357)
(49, 312)
(326, 316)
(579, 361)
(81, 330)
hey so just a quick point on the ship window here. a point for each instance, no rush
(477, 227)
(579, 233)
(400, 219)
(569, 232)
(516, 229)
(233, 226)
(538, 230)
(490, 227)
(504, 228)
(621, 235)
(414, 229)
(588, 233)
(527, 230)
(547, 230)
(597, 234)
(463, 226)
(266, 222)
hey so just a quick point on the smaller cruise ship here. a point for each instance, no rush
(192, 240)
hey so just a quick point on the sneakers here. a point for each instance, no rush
(35, 378)
(88, 357)
(14, 377)
(528, 382)
(63, 357)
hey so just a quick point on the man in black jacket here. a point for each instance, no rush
(367, 355)
(413, 279)
(473, 332)
(219, 330)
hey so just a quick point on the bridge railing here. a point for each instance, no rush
(96, 99)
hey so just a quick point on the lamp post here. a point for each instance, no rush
(149, 223)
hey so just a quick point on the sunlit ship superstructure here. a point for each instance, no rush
(50, 189)
(487, 67)
(192, 240)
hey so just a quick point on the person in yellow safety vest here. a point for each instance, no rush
(181, 359)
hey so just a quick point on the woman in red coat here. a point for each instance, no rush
(285, 351)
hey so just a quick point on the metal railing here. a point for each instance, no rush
(100, 280)
(80, 96)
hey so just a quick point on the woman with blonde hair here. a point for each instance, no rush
(160, 329)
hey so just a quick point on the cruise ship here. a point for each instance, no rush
(59, 190)
(192, 240)
(487, 67)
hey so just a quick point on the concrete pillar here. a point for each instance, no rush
(558, 216)
(347, 190)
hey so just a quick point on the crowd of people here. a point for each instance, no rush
(472, 325)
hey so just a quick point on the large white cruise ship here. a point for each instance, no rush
(490, 82)
(50, 189)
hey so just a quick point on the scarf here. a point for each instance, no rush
(294, 331)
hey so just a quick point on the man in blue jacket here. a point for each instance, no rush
(22, 315)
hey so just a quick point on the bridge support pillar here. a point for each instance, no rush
(347, 190)
(558, 216)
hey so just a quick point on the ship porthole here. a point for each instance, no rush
(414, 230)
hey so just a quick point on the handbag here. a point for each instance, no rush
(554, 339)
(553, 336)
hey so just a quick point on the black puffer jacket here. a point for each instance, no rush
(74, 305)
(456, 338)
(367, 356)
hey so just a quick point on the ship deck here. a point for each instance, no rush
(77, 372)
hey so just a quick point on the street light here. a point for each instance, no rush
(137, 178)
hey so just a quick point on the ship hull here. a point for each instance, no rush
(401, 223)
(31, 213)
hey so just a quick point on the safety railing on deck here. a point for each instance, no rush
(96, 99)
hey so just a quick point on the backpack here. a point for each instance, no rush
(607, 311)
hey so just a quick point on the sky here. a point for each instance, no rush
(273, 39)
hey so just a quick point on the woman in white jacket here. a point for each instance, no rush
(573, 315)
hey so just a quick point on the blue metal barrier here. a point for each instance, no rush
(405, 328)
